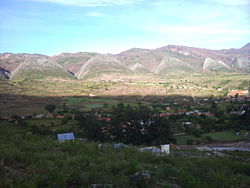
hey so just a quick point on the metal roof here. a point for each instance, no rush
(65, 136)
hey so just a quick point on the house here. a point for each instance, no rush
(39, 116)
(187, 123)
(239, 92)
(162, 114)
(168, 108)
(59, 116)
(65, 137)
(49, 115)
(154, 150)
(208, 114)
(5, 118)
(247, 98)
(107, 119)
(119, 146)
(23, 116)
(164, 149)
(236, 112)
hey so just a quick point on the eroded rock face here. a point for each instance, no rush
(168, 60)
(101, 64)
(136, 67)
(211, 64)
(242, 63)
(4, 73)
(170, 65)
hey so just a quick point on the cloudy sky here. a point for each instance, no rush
(111, 26)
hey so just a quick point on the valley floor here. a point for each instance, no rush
(192, 111)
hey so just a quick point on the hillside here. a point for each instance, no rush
(30, 66)
(168, 60)
(246, 47)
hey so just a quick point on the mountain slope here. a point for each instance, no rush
(215, 65)
(246, 47)
(171, 59)
(31, 66)
(101, 64)
(170, 65)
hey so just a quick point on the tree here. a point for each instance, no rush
(50, 107)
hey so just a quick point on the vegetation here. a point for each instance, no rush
(183, 111)
(50, 107)
(223, 136)
(29, 159)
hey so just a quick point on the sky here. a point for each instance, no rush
(111, 26)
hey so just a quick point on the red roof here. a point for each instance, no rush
(239, 92)
(104, 119)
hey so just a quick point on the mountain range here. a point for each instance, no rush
(167, 60)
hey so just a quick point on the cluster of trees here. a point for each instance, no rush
(136, 125)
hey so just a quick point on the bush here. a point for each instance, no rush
(209, 139)
(190, 142)
(50, 107)
(197, 133)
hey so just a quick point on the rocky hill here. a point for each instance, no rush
(167, 60)
(246, 47)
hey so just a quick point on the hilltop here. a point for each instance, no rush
(167, 60)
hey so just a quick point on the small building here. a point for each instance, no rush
(5, 118)
(239, 92)
(168, 108)
(165, 149)
(187, 123)
(154, 150)
(59, 116)
(119, 146)
(39, 116)
(162, 114)
(208, 114)
(49, 115)
(65, 137)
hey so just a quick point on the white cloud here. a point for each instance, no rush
(90, 3)
(234, 2)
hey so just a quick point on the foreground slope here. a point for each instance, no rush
(37, 159)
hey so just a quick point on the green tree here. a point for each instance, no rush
(50, 108)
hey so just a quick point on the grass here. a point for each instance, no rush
(241, 154)
(44, 122)
(29, 159)
(182, 139)
(69, 87)
(92, 106)
(73, 100)
(225, 136)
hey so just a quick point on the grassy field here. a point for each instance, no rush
(201, 85)
(29, 159)
(26, 96)
(224, 136)
(182, 140)
(240, 154)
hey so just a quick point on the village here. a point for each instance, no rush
(140, 132)
(183, 117)
(142, 140)
(176, 107)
